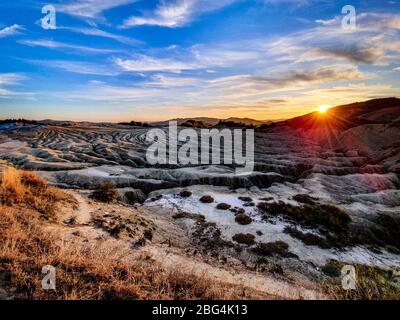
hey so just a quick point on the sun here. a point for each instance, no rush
(324, 107)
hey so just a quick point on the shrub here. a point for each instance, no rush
(243, 219)
(308, 239)
(304, 198)
(247, 239)
(249, 204)
(317, 215)
(207, 199)
(105, 192)
(223, 206)
(185, 193)
(271, 249)
(332, 268)
(266, 199)
(148, 234)
(245, 199)
(388, 232)
(133, 197)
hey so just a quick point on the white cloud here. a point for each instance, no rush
(375, 41)
(12, 79)
(169, 82)
(145, 64)
(11, 30)
(61, 45)
(78, 67)
(194, 58)
(104, 34)
(91, 8)
(9, 79)
(176, 13)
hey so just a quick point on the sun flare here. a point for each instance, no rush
(323, 108)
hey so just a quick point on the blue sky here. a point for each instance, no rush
(113, 60)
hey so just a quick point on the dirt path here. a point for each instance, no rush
(82, 214)
(257, 282)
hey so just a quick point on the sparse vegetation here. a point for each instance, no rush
(271, 249)
(186, 215)
(332, 268)
(243, 219)
(207, 199)
(266, 199)
(387, 232)
(133, 197)
(308, 239)
(105, 192)
(209, 236)
(249, 204)
(82, 273)
(245, 199)
(135, 124)
(305, 198)
(24, 121)
(185, 194)
(88, 274)
(191, 123)
(223, 206)
(316, 215)
(247, 239)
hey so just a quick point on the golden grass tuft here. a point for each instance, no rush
(27, 189)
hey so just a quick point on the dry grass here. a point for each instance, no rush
(371, 283)
(27, 189)
(101, 270)
(105, 192)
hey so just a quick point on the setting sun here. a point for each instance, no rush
(323, 108)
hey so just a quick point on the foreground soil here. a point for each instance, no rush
(113, 251)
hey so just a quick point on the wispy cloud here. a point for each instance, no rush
(100, 33)
(9, 79)
(91, 8)
(61, 45)
(78, 67)
(160, 80)
(11, 30)
(176, 13)
(375, 41)
(145, 64)
(196, 57)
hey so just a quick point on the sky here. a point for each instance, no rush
(148, 60)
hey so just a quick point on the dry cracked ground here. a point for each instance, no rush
(318, 199)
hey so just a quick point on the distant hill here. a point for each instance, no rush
(372, 128)
(376, 111)
(213, 121)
